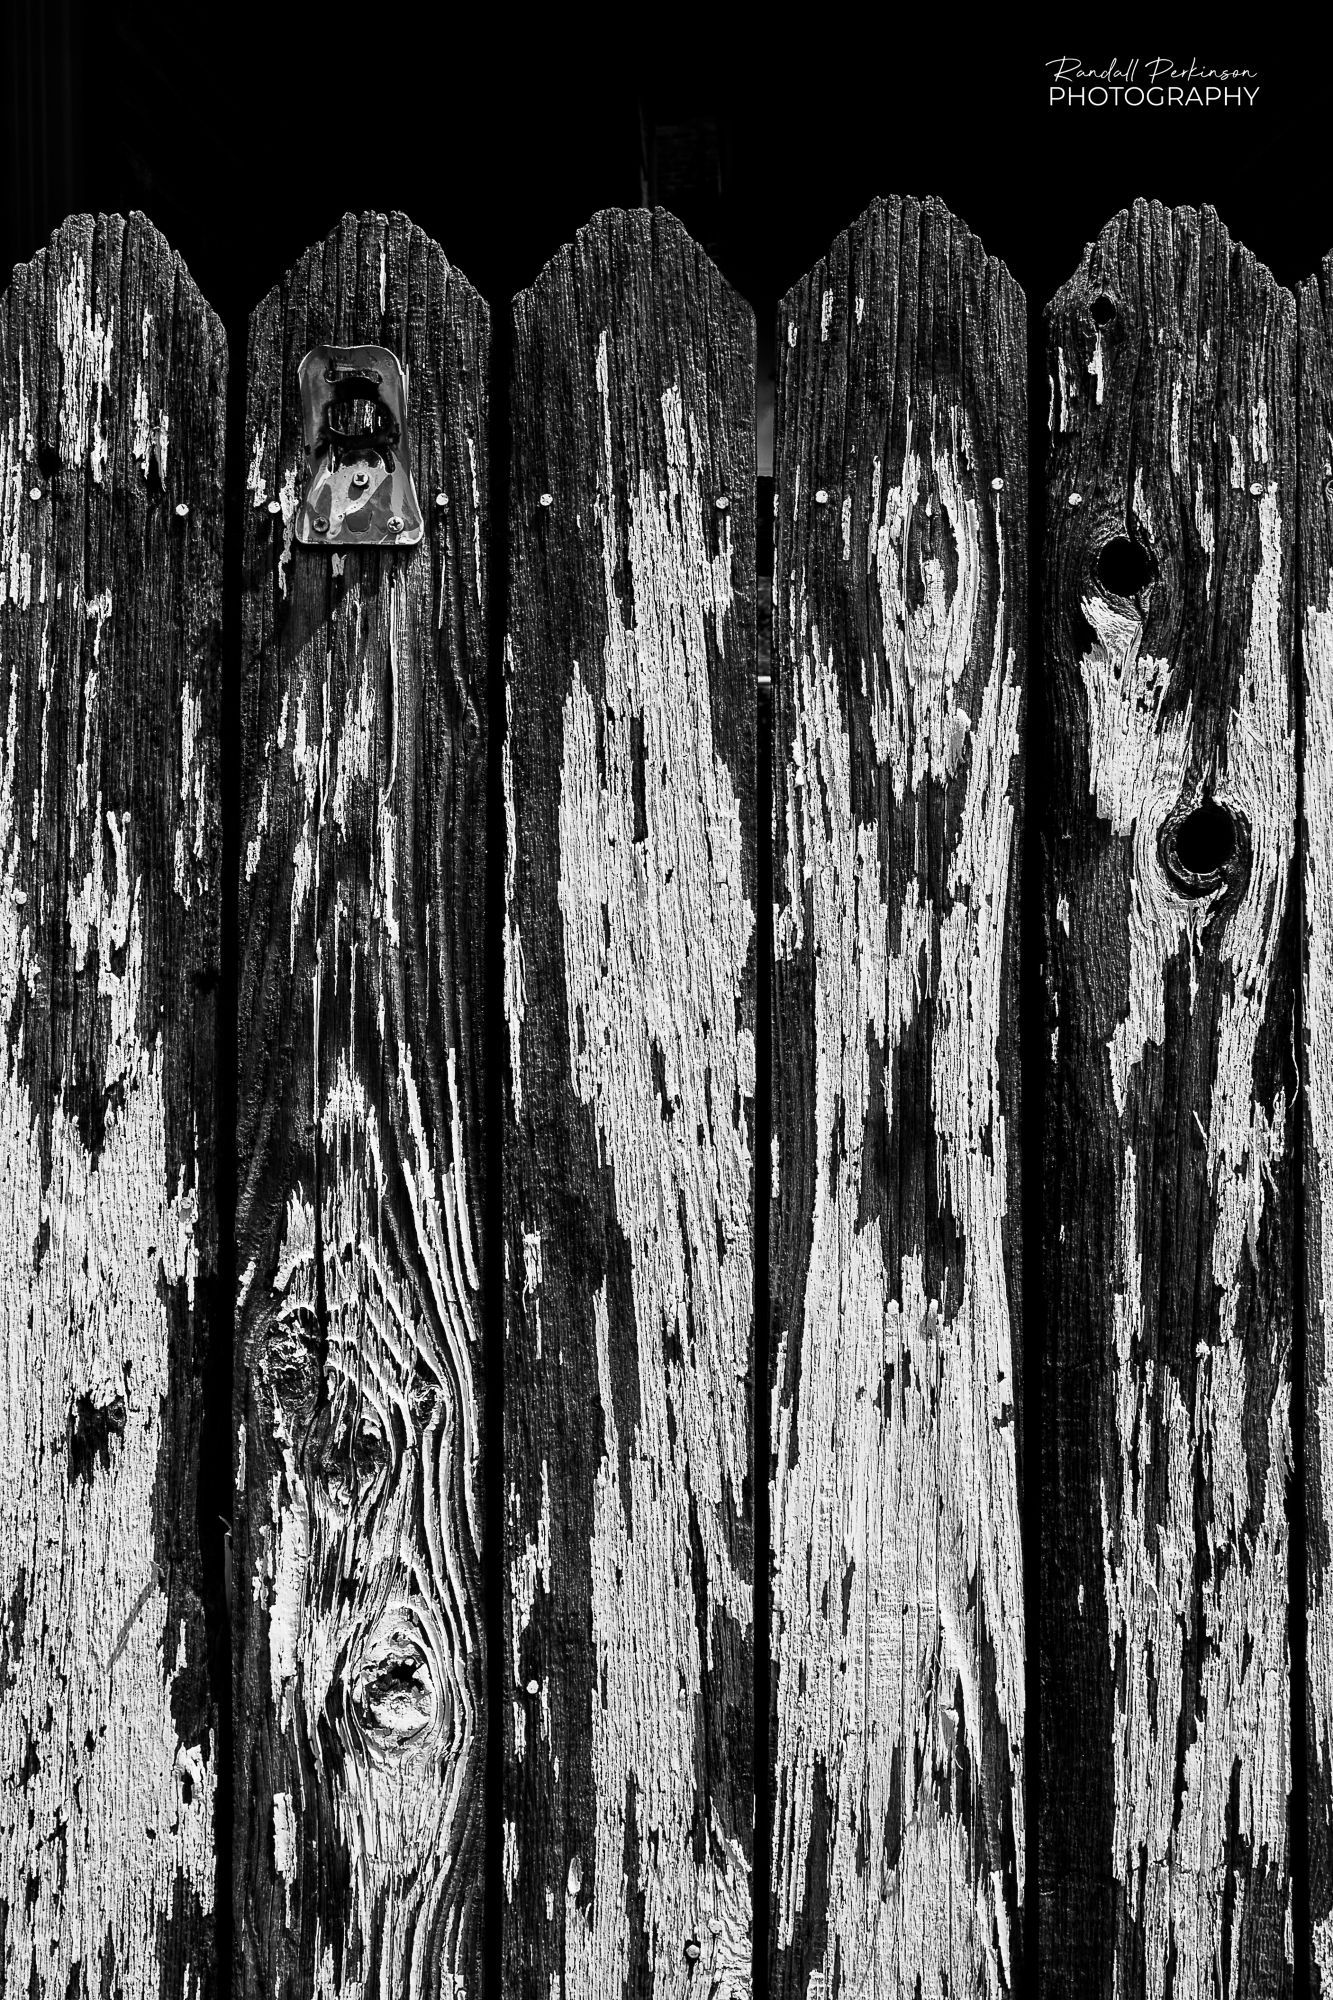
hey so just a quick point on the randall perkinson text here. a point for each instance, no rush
(1151, 81)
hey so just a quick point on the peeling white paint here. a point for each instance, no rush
(90, 1761)
(387, 1668)
(664, 989)
(1171, 1853)
(83, 341)
(1318, 1082)
(895, 1500)
(284, 1844)
(288, 501)
(515, 974)
(255, 484)
(919, 728)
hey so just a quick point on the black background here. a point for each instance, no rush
(246, 132)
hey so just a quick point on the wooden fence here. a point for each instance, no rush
(517, 1663)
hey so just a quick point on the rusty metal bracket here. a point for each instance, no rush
(359, 494)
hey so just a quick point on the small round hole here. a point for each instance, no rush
(1124, 567)
(1206, 839)
(1102, 309)
(1201, 849)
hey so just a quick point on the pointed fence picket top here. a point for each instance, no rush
(112, 395)
(1170, 910)
(630, 951)
(360, 1647)
(897, 1633)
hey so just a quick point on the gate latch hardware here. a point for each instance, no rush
(360, 493)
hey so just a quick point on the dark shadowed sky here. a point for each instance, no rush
(246, 131)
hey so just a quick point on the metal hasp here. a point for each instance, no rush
(360, 493)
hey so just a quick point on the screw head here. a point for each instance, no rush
(361, 477)
(182, 509)
(395, 523)
(321, 524)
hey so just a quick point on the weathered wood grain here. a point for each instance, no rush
(1315, 612)
(360, 1649)
(1169, 911)
(897, 1642)
(112, 393)
(631, 961)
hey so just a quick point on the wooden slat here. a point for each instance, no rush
(630, 991)
(1168, 1248)
(1315, 391)
(898, 1656)
(360, 1648)
(112, 393)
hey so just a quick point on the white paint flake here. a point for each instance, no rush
(284, 1844)
(895, 1499)
(1319, 1088)
(515, 977)
(83, 340)
(1171, 1849)
(287, 500)
(662, 991)
(254, 480)
(90, 1248)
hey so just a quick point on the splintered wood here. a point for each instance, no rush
(1170, 909)
(360, 1649)
(897, 1631)
(112, 391)
(630, 950)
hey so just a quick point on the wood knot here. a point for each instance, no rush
(1205, 848)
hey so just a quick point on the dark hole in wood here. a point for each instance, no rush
(1206, 840)
(1202, 848)
(1124, 567)
(1103, 310)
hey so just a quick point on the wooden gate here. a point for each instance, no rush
(479, 1596)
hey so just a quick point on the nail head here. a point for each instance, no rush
(534, 1687)
(821, 497)
(722, 503)
(1256, 487)
(997, 486)
(275, 506)
(442, 502)
(548, 500)
(1076, 499)
(35, 493)
(182, 509)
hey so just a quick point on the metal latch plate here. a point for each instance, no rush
(359, 493)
